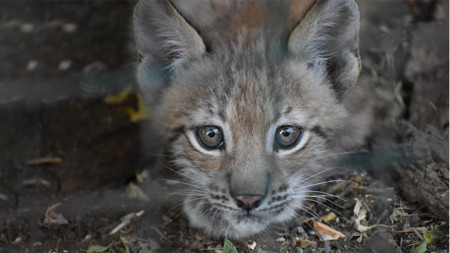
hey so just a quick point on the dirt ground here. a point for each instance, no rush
(73, 171)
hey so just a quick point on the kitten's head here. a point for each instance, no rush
(251, 112)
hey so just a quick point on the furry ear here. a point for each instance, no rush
(327, 38)
(165, 42)
(164, 38)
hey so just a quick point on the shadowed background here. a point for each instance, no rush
(61, 59)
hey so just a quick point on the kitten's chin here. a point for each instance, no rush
(234, 226)
(231, 227)
(243, 230)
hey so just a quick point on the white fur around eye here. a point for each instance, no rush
(304, 139)
(270, 144)
(192, 135)
(293, 117)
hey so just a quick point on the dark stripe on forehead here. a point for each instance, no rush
(222, 115)
(288, 110)
(318, 131)
(176, 133)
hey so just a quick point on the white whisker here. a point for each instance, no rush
(184, 175)
(207, 210)
(191, 200)
(183, 211)
(295, 216)
(315, 175)
(181, 182)
(313, 214)
(311, 197)
(285, 229)
(326, 206)
(327, 194)
(342, 153)
(320, 183)
(191, 194)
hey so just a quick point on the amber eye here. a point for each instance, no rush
(287, 136)
(210, 137)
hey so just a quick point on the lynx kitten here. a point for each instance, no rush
(250, 99)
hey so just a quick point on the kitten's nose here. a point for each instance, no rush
(248, 202)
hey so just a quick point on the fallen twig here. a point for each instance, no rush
(45, 160)
(125, 221)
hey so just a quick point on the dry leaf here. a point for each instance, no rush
(137, 115)
(329, 217)
(135, 192)
(198, 236)
(360, 214)
(327, 233)
(52, 217)
(303, 243)
(119, 98)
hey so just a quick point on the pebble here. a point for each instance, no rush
(65, 65)
(31, 65)
(281, 239)
(252, 245)
(196, 245)
(298, 250)
(17, 240)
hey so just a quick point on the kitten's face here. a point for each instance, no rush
(248, 140)
(249, 106)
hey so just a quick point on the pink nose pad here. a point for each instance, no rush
(248, 202)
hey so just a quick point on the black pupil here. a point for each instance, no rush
(211, 133)
(210, 137)
(287, 136)
(286, 131)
